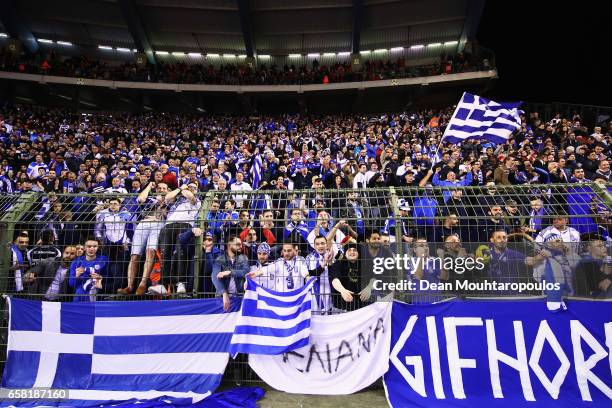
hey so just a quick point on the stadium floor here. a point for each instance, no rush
(369, 398)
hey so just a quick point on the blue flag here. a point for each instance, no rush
(499, 354)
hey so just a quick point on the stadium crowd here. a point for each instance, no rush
(235, 74)
(120, 199)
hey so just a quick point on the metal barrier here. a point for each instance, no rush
(423, 244)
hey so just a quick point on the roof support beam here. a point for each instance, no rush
(246, 23)
(473, 15)
(357, 25)
(136, 28)
(16, 26)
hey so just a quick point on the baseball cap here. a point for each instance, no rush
(403, 205)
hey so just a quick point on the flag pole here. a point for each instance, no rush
(452, 117)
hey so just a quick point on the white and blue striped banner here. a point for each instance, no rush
(110, 351)
(272, 322)
(256, 171)
(478, 118)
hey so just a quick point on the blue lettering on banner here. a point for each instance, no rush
(500, 354)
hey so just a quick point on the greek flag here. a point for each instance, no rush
(479, 118)
(272, 322)
(116, 351)
(256, 171)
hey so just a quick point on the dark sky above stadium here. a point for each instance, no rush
(550, 51)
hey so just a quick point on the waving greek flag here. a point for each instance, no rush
(117, 351)
(272, 322)
(256, 171)
(480, 118)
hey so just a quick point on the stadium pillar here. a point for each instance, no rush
(77, 98)
(244, 9)
(246, 102)
(302, 105)
(251, 62)
(358, 101)
(357, 22)
(356, 62)
(136, 28)
(8, 93)
(17, 26)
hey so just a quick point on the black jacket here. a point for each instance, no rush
(44, 272)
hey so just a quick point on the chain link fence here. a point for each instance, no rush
(420, 244)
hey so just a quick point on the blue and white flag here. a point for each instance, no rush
(272, 322)
(479, 118)
(499, 354)
(347, 352)
(256, 171)
(116, 351)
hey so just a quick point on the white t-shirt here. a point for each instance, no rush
(285, 276)
(360, 178)
(184, 211)
(550, 233)
(239, 198)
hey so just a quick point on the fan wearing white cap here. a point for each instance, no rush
(390, 224)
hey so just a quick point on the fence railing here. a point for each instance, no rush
(421, 244)
(164, 240)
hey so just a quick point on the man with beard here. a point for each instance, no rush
(373, 249)
(290, 270)
(229, 270)
(489, 196)
(263, 260)
(512, 216)
(48, 277)
(505, 264)
(20, 260)
(494, 222)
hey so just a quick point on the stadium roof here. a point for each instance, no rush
(243, 27)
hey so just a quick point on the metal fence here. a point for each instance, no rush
(423, 244)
